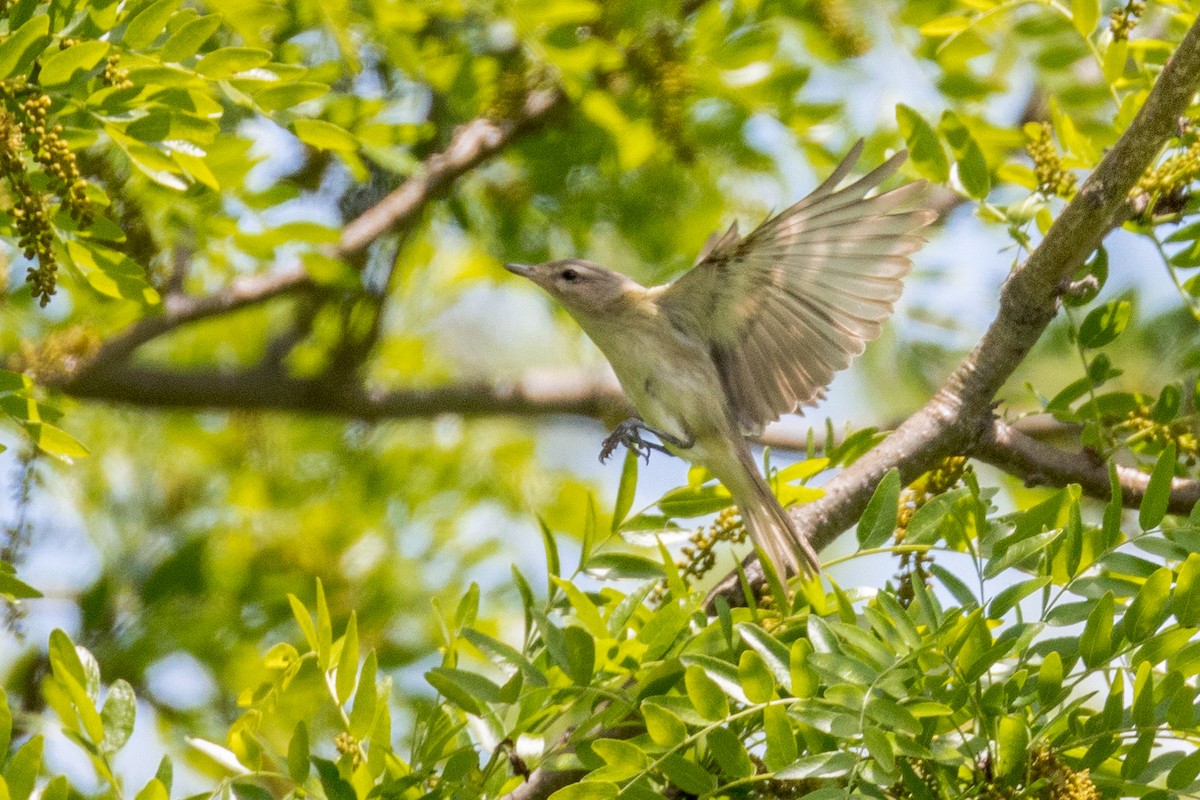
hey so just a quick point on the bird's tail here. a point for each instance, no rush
(770, 526)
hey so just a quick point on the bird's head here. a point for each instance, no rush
(582, 287)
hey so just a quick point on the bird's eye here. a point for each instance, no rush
(570, 275)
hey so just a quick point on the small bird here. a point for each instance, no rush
(756, 329)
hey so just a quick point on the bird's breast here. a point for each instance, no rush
(668, 375)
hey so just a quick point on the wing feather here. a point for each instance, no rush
(793, 302)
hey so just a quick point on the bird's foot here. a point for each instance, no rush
(628, 433)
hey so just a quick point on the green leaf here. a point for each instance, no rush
(504, 656)
(1113, 511)
(774, 653)
(1158, 490)
(687, 775)
(781, 739)
(616, 566)
(1084, 15)
(1050, 677)
(111, 273)
(362, 715)
(1185, 602)
(1163, 646)
(1010, 596)
(347, 666)
(232, 60)
(449, 686)
(1096, 644)
(18, 50)
(626, 490)
(304, 620)
(187, 40)
(289, 95)
(1149, 608)
(954, 584)
(588, 790)
(57, 789)
(878, 521)
(1012, 747)
(730, 754)
(149, 24)
(54, 441)
(663, 725)
(1181, 710)
(72, 64)
(879, 747)
(5, 726)
(336, 787)
(973, 171)
(704, 693)
(1137, 757)
(819, 765)
(1105, 323)
(325, 135)
(153, 790)
(64, 656)
(553, 563)
(945, 26)
(118, 715)
(893, 716)
(1166, 408)
(298, 764)
(756, 679)
(1185, 771)
(324, 629)
(468, 607)
(924, 146)
(15, 589)
(694, 501)
(580, 655)
(22, 770)
(622, 759)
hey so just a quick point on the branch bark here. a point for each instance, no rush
(960, 416)
(268, 390)
(1040, 464)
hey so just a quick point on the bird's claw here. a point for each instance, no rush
(628, 434)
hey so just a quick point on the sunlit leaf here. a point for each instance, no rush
(925, 148)
(74, 63)
(1158, 490)
(878, 521)
(19, 49)
(149, 24)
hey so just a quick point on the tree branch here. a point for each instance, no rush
(1015, 448)
(1040, 464)
(960, 415)
(471, 145)
(267, 390)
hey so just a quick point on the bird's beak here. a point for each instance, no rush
(520, 269)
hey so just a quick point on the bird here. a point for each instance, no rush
(754, 330)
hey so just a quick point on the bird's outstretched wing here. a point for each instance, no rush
(794, 301)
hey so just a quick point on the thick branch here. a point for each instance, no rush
(960, 414)
(471, 145)
(1040, 464)
(268, 390)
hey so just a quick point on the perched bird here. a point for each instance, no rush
(756, 329)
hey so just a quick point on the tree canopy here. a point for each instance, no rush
(303, 493)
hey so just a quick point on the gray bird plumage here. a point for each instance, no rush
(756, 329)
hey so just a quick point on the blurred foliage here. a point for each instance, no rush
(154, 147)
